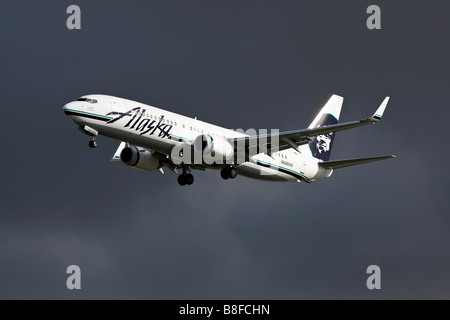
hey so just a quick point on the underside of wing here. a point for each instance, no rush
(167, 161)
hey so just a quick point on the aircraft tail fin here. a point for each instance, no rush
(321, 145)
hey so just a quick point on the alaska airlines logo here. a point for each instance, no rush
(320, 145)
(140, 123)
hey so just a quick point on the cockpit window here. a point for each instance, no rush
(87, 100)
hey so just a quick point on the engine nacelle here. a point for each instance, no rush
(214, 149)
(139, 158)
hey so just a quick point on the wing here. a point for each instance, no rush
(163, 158)
(295, 138)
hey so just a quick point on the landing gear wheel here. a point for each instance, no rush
(228, 173)
(232, 173)
(224, 174)
(93, 144)
(189, 178)
(185, 179)
(181, 180)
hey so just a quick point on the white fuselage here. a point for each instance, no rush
(160, 130)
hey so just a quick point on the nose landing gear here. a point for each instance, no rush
(90, 132)
(93, 143)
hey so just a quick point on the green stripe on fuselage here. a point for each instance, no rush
(173, 135)
(91, 114)
(284, 168)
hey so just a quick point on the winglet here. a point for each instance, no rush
(379, 113)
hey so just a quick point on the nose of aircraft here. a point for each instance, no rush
(68, 107)
(71, 109)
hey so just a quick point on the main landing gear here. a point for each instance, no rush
(229, 172)
(185, 178)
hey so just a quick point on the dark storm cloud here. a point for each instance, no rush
(237, 64)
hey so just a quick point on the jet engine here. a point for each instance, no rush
(214, 149)
(139, 158)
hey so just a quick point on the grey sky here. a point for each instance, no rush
(239, 64)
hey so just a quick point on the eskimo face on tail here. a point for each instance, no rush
(321, 145)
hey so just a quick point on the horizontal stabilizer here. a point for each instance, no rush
(350, 162)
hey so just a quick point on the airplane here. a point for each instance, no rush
(153, 138)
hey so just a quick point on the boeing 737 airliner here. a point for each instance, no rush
(153, 138)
